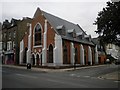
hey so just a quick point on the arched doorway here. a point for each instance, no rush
(33, 59)
(50, 51)
(38, 59)
(25, 55)
(65, 55)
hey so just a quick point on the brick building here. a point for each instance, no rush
(52, 41)
(12, 33)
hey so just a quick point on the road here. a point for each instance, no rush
(83, 78)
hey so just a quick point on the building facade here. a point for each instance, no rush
(8, 40)
(52, 41)
(12, 33)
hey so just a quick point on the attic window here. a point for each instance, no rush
(61, 29)
(80, 35)
(88, 37)
(72, 32)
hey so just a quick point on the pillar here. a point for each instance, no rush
(58, 51)
(72, 53)
(21, 52)
(89, 55)
(96, 55)
(44, 50)
(29, 44)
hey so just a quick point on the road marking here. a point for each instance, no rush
(94, 78)
(78, 76)
(72, 74)
(26, 76)
(116, 81)
(54, 81)
(87, 76)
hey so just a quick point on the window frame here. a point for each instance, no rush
(34, 34)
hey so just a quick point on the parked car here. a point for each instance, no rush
(107, 61)
(117, 61)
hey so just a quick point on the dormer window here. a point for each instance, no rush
(80, 35)
(88, 37)
(72, 32)
(61, 29)
(38, 35)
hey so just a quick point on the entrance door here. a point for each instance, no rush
(33, 59)
(38, 60)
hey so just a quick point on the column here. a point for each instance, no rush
(29, 44)
(58, 51)
(35, 59)
(96, 55)
(82, 55)
(21, 52)
(72, 53)
(89, 55)
(44, 50)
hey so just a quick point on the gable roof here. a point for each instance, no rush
(57, 22)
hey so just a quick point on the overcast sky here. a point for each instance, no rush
(82, 12)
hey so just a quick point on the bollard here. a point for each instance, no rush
(28, 66)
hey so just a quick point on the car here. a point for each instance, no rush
(117, 62)
(107, 61)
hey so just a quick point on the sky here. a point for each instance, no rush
(82, 12)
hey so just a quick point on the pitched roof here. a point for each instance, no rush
(57, 22)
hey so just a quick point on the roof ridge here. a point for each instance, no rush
(58, 17)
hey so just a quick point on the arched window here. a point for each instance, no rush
(50, 59)
(65, 55)
(76, 55)
(38, 35)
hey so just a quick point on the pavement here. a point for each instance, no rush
(51, 70)
(113, 76)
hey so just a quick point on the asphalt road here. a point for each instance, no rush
(83, 78)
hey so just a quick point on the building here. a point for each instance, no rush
(12, 32)
(0, 39)
(112, 51)
(101, 52)
(8, 40)
(52, 41)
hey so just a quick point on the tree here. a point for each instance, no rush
(108, 23)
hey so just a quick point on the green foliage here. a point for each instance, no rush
(108, 23)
